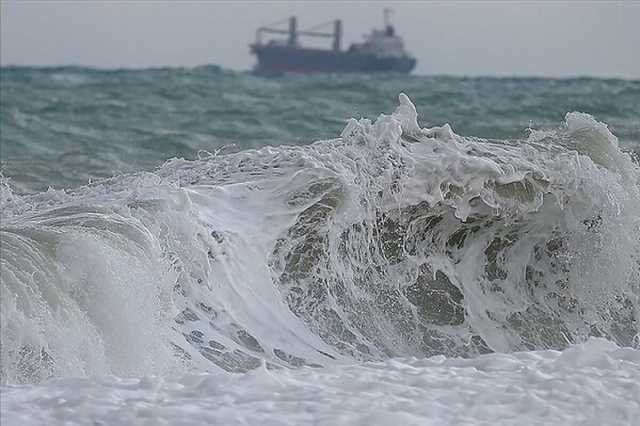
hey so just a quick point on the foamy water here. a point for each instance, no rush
(312, 283)
(593, 383)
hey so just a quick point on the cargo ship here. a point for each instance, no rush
(382, 51)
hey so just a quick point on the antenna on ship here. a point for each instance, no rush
(388, 28)
(387, 16)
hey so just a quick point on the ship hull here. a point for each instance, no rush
(303, 60)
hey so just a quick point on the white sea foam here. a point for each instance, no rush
(593, 383)
(390, 241)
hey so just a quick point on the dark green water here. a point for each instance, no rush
(61, 127)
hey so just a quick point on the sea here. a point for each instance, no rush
(207, 246)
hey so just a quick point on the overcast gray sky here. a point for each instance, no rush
(541, 38)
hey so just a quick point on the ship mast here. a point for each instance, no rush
(293, 33)
(388, 28)
(387, 16)
(337, 34)
(293, 28)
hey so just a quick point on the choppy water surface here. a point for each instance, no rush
(63, 126)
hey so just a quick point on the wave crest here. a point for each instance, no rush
(389, 240)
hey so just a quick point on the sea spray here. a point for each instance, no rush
(391, 240)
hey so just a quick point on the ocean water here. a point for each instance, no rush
(64, 126)
(201, 245)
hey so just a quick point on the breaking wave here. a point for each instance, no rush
(391, 240)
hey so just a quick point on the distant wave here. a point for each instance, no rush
(390, 240)
(65, 126)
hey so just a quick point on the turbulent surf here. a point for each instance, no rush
(391, 240)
